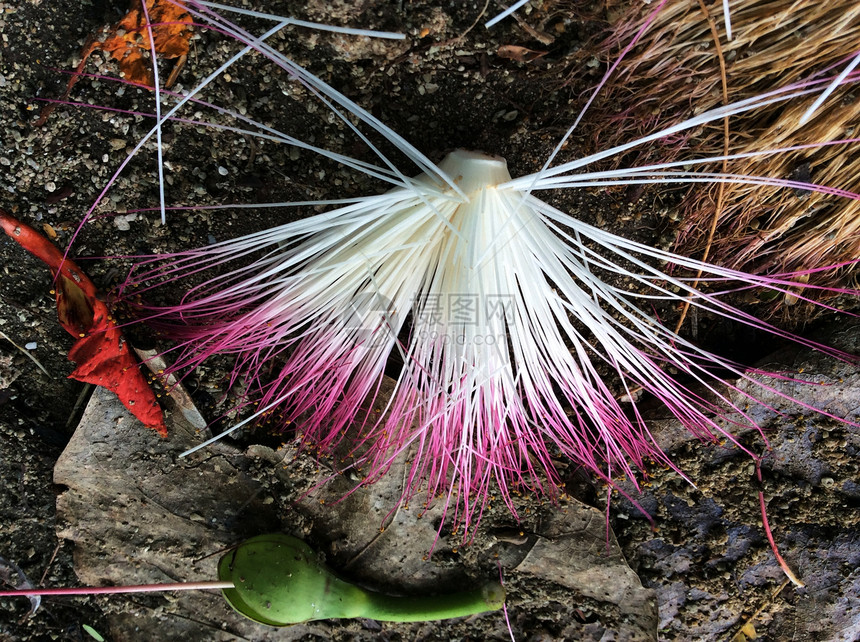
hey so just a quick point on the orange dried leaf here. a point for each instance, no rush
(128, 40)
(128, 43)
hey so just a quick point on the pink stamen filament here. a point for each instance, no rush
(111, 590)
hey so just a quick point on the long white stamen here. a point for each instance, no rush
(727, 19)
(830, 89)
(776, 96)
(504, 14)
(157, 88)
(319, 26)
(330, 97)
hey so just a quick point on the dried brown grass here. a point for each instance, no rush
(674, 73)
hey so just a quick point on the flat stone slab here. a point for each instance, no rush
(138, 513)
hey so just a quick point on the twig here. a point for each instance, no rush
(456, 39)
(85, 391)
(384, 527)
(26, 352)
(477, 20)
(749, 620)
(50, 562)
(718, 206)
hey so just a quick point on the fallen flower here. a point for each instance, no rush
(101, 353)
(518, 326)
(506, 315)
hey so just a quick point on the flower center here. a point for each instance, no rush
(474, 171)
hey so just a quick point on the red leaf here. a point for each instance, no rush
(101, 353)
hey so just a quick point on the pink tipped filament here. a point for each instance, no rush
(110, 590)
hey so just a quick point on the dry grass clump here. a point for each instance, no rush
(675, 72)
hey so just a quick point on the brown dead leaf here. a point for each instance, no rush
(793, 295)
(520, 54)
